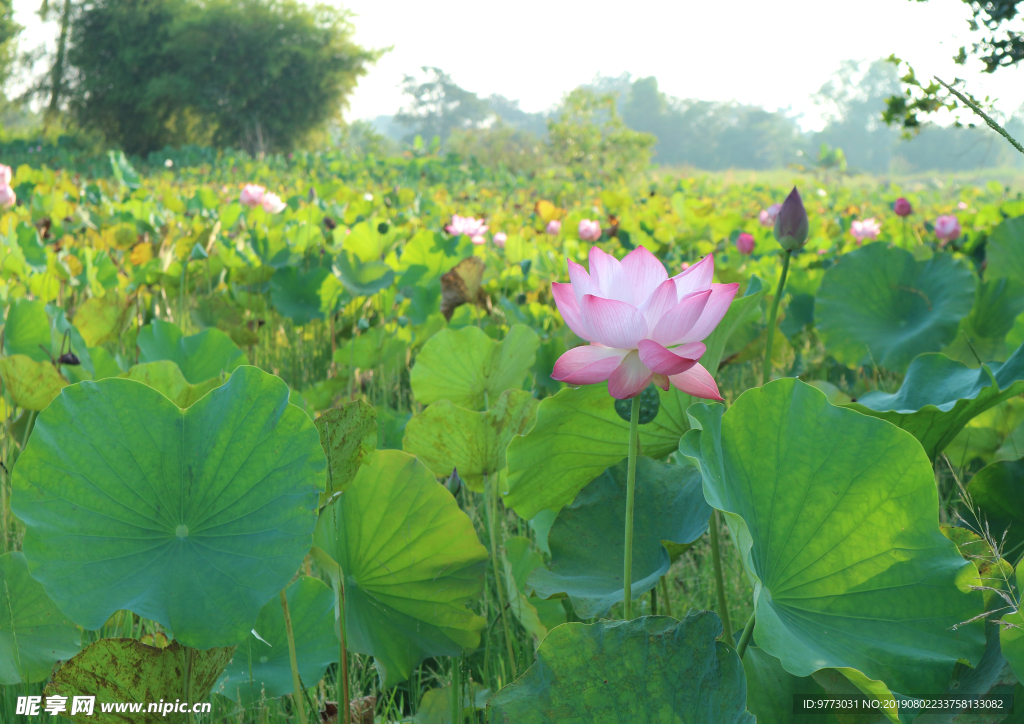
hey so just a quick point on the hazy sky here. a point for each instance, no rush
(773, 54)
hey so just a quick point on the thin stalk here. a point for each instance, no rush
(456, 691)
(343, 700)
(188, 681)
(627, 558)
(293, 659)
(748, 631)
(977, 109)
(723, 603)
(664, 595)
(771, 318)
(491, 503)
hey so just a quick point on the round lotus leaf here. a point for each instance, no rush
(362, 279)
(410, 563)
(881, 305)
(650, 402)
(311, 607)
(836, 517)
(192, 518)
(32, 385)
(650, 670)
(296, 294)
(997, 492)
(34, 634)
(200, 356)
(447, 437)
(126, 670)
(586, 540)
(772, 692)
(939, 396)
(27, 330)
(470, 369)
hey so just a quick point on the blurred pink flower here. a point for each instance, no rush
(867, 229)
(554, 226)
(499, 241)
(7, 196)
(768, 215)
(641, 324)
(589, 230)
(467, 226)
(947, 228)
(962, 205)
(273, 204)
(902, 207)
(5, 175)
(252, 195)
(745, 243)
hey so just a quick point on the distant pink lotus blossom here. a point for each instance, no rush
(7, 196)
(589, 230)
(273, 204)
(947, 228)
(554, 227)
(499, 239)
(745, 243)
(252, 195)
(467, 226)
(902, 207)
(5, 175)
(867, 229)
(768, 215)
(962, 205)
(642, 325)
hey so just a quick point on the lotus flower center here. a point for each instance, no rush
(181, 531)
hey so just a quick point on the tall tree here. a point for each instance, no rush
(437, 105)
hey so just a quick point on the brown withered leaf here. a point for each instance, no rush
(461, 285)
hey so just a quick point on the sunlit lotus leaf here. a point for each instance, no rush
(836, 517)
(31, 384)
(200, 356)
(27, 330)
(166, 377)
(192, 518)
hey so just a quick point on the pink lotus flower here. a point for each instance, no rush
(641, 324)
(745, 243)
(902, 207)
(468, 226)
(7, 195)
(554, 226)
(866, 229)
(252, 195)
(947, 228)
(962, 205)
(589, 230)
(5, 175)
(499, 239)
(768, 215)
(273, 204)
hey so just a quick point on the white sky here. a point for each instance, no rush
(773, 54)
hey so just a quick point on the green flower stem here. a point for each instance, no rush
(723, 603)
(456, 691)
(771, 318)
(293, 659)
(343, 701)
(491, 505)
(748, 631)
(627, 562)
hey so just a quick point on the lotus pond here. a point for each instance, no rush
(342, 452)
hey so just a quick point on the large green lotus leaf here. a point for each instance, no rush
(578, 434)
(650, 670)
(1004, 251)
(311, 607)
(200, 356)
(34, 634)
(881, 305)
(410, 562)
(348, 435)
(166, 377)
(997, 492)
(31, 385)
(27, 327)
(469, 368)
(447, 437)
(296, 294)
(536, 615)
(836, 517)
(983, 332)
(100, 319)
(587, 544)
(192, 518)
(773, 692)
(939, 396)
(126, 670)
